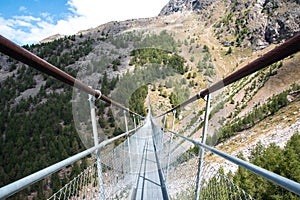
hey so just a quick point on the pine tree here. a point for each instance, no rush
(56, 183)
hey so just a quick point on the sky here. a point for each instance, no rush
(30, 21)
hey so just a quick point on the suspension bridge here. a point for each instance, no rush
(148, 163)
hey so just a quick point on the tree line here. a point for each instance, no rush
(259, 113)
(39, 130)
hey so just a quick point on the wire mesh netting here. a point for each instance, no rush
(179, 165)
(84, 186)
(132, 169)
(215, 185)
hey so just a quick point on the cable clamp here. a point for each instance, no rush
(199, 95)
(100, 94)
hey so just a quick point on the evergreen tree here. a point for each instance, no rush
(284, 162)
(56, 183)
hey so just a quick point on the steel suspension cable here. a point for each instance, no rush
(286, 49)
(15, 51)
(283, 182)
(12, 188)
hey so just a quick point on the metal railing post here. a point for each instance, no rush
(128, 141)
(171, 140)
(12, 188)
(125, 119)
(149, 105)
(201, 150)
(268, 175)
(173, 123)
(134, 122)
(136, 141)
(96, 142)
(164, 127)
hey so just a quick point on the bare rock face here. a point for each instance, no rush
(260, 22)
(174, 6)
(52, 38)
(283, 26)
(185, 5)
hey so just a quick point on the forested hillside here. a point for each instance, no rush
(37, 127)
(280, 161)
(179, 53)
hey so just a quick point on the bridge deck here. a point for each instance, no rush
(149, 180)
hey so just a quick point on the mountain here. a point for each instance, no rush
(185, 5)
(258, 23)
(198, 41)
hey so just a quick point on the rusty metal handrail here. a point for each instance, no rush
(15, 51)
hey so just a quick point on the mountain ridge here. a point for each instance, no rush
(257, 24)
(261, 22)
(212, 41)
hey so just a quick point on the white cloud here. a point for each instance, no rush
(19, 36)
(83, 14)
(21, 23)
(103, 11)
(27, 18)
(22, 8)
(47, 17)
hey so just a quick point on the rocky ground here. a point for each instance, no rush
(276, 129)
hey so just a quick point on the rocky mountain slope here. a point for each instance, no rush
(185, 5)
(258, 23)
(206, 40)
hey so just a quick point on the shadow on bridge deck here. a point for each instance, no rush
(150, 183)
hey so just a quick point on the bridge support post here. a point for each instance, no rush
(96, 142)
(173, 123)
(201, 150)
(138, 120)
(164, 127)
(136, 141)
(171, 140)
(128, 141)
(134, 123)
